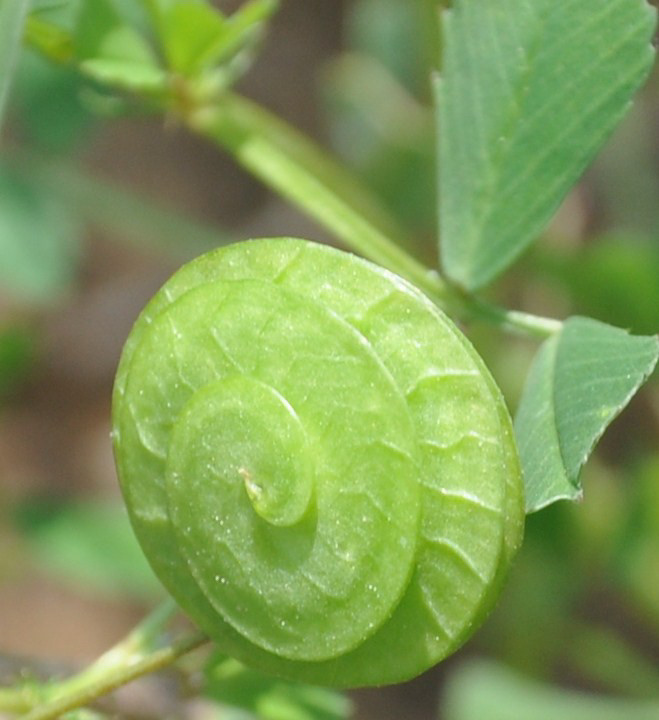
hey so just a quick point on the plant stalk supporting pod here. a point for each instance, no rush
(316, 462)
(297, 169)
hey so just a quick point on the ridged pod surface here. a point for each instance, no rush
(316, 462)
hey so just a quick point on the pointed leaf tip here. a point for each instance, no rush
(581, 379)
(529, 93)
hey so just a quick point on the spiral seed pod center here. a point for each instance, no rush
(280, 430)
(240, 434)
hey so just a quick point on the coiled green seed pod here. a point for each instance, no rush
(317, 464)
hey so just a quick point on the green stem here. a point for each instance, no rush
(512, 321)
(76, 694)
(131, 658)
(16, 700)
(139, 641)
(298, 170)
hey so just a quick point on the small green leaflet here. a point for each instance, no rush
(265, 697)
(186, 31)
(580, 381)
(111, 51)
(530, 90)
(195, 36)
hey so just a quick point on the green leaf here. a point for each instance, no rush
(580, 381)
(488, 690)
(243, 26)
(50, 40)
(39, 241)
(101, 32)
(113, 52)
(195, 35)
(52, 24)
(130, 216)
(12, 16)
(48, 105)
(89, 544)
(125, 74)
(231, 683)
(529, 93)
(186, 29)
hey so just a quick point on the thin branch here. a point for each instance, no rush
(79, 696)
(300, 171)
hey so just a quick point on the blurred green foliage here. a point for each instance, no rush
(39, 241)
(614, 277)
(17, 352)
(482, 690)
(63, 120)
(233, 685)
(377, 96)
(89, 545)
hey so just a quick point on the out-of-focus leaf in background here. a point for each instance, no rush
(604, 656)
(637, 556)
(268, 698)
(88, 544)
(131, 217)
(614, 279)
(12, 16)
(379, 118)
(397, 35)
(583, 589)
(50, 113)
(39, 242)
(385, 133)
(479, 690)
(543, 588)
(195, 36)
(112, 50)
